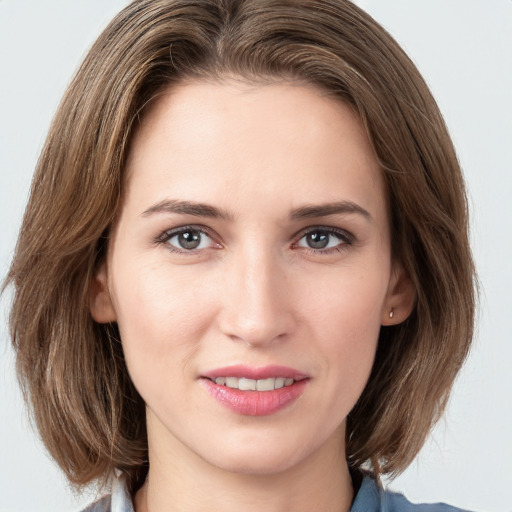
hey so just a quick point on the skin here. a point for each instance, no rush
(253, 291)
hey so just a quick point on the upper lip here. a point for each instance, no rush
(256, 373)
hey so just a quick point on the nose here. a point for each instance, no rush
(256, 303)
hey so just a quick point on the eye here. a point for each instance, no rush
(323, 239)
(187, 239)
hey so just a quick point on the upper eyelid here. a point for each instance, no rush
(329, 229)
(169, 233)
(164, 239)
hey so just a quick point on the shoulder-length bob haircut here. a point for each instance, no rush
(72, 369)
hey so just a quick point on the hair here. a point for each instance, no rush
(72, 369)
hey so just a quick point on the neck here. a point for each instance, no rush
(181, 480)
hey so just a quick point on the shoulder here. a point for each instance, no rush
(102, 505)
(396, 502)
(372, 498)
(118, 500)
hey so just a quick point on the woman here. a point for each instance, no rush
(243, 276)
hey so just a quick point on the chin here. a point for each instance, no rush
(265, 458)
(262, 465)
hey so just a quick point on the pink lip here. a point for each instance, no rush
(255, 403)
(250, 372)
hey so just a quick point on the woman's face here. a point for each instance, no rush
(252, 250)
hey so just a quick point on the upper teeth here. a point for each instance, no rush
(244, 384)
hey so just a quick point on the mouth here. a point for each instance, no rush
(246, 384)
(255, 391)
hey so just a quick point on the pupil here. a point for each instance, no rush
(318, 240)
(189, 239)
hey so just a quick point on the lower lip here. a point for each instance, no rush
(255, 403)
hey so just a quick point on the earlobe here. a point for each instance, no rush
(100, 302)
(400, 298)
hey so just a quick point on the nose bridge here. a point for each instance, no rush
(256, 309)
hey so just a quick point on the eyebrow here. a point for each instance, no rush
(206, 210)
(324, 210)
(187, 208)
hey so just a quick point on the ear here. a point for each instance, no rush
(400, 297)
(100, 302)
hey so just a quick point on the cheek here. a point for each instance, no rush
(160, 320)
(347, 302)
(345, 320)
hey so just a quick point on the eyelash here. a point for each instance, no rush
(167, 235)
(346, 239)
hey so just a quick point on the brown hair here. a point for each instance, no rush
(89, 415)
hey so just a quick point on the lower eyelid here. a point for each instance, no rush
(343, 237)
(167, 235)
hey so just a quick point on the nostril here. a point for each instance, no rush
(255, 307)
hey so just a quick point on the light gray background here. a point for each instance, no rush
(464, 49)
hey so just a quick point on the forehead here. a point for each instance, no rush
(285, 142)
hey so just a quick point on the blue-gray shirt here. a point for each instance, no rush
(370, 498)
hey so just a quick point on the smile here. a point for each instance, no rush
(254, 391)
(245, 384)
